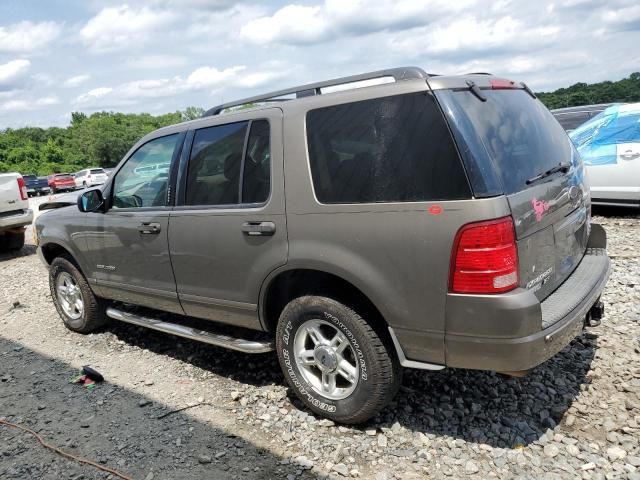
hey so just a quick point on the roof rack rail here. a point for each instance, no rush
(311, 89)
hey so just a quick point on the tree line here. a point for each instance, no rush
(102, 139)
(626, 90)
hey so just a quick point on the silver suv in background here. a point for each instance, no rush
(391, 219)
(90, 177)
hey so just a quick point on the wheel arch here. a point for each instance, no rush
(52, 250)
(285, 285)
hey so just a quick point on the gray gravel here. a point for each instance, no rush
(576, 416)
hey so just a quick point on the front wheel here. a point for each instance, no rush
(80, 310)
(335, 362)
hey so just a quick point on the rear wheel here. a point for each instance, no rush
(80, 310)
(334, 361)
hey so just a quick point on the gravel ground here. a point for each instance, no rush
(577, 415)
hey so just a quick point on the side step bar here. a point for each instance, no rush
(238, 344)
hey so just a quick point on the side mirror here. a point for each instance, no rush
(90, 201)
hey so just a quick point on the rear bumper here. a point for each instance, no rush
(516, 332)
(18, 220)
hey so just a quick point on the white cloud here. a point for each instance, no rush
(24, 37)
(26, 104)
(470, 36)
(76, 80)
(299, 24)
(128, 93)
(13, 70)
(293, 23)
(156, 61)
(124, 27)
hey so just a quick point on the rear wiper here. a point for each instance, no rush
(563, 167)
(473, 88)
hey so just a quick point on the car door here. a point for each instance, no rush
(228, 229)
(127, 244)
(612, 157)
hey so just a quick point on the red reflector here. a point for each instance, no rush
(502, 84)
(23, 189)
(485, 258)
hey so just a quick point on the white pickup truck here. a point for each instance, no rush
(15, 213)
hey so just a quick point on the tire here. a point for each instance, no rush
(14, 240)
(377, 373)
(53, 190)
(84, 185)
(63, 273)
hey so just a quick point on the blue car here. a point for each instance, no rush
(609, 145)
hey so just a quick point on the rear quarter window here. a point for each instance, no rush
(390, 149)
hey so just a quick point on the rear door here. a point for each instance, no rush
(523, 143)
(127, 245)
(228, 230)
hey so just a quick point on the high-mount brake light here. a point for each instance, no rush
(23, 189)
(484, 258)
(502, 84)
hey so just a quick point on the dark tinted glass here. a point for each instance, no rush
(257, 166)
(514, 134)
(214, 168)
(392, 149)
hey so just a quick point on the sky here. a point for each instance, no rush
(160, 56)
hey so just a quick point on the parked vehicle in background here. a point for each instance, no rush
(572, 117)
(609, 145)
(60, 182)
(15, 213)
(36, 185)
(90, 177)
(413, 230)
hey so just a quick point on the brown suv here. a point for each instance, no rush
(406, 220)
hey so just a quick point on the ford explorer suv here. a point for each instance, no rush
(15, 213)
(356, 226)
(59, 182)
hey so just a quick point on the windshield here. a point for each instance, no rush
(521, 138)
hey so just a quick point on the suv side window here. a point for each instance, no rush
(390, 149)
(220, 161)
(143, 180)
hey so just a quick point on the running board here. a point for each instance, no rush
(238, 344)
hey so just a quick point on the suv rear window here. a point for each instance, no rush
(521, 138)
(390, 149)
(95, 171)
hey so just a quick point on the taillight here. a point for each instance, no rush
(23, 189)
(485, 258)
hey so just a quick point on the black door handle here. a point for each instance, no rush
(149, 228)
(258, 228)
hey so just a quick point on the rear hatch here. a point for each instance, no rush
(98, 175)
(10, 198)
(515, 142)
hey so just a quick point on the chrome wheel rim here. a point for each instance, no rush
(326, 359)
(69, 296)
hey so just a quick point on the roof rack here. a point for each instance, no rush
(311, 89)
